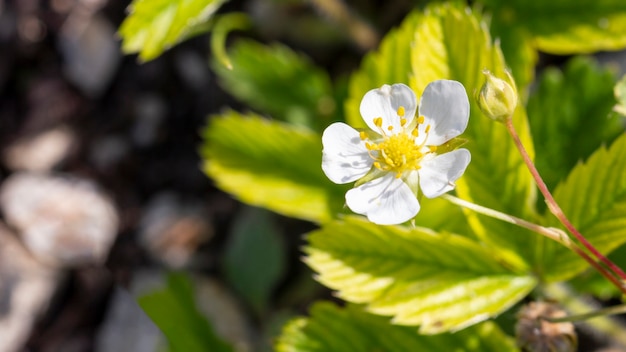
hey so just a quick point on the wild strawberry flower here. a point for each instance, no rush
(399, 155)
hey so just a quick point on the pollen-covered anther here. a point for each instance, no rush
(389, 128)
(363, 135)
(421, 119)
(401, 111)
(427, 129)
(415, 132)
(433, 148)
(402, 122)
(378, 121)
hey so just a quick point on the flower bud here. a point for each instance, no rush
(498, 98)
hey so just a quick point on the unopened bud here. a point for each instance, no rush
(498, 98)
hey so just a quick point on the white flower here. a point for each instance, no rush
(400, 153)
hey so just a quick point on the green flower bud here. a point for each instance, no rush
(498, 98)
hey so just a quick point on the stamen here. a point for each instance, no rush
(401, 111)
(433, 148)
(415, 132)
(363, 135)
(427, 129)
(421, 119)
(390, 128)
(378, 121)
(402, 122)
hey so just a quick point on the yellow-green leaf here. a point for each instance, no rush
(454, 43)
(153, 26)
(594, 198)
(270, 164)
(565, 26)
(441, 282)
(389, 64)
(331, 328)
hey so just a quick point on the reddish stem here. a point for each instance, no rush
(554, 207)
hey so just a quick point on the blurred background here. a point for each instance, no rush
(101, 189)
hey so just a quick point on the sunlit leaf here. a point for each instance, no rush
(278, 81)
(254, 257)
(564, 26)
(270, 164)
(570, 115)
(439, 282)
(387, 65)
(153, 26)
(594, 199)
(453, 43)
(331, 328)
(620, 96)
(173, 309)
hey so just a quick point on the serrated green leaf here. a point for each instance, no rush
(389, 64)
(270, 164)
(153, 26)
(440, 282)
(593, 283)
(564, 26)
(255, 256)
(331, 328)
(173, 309)
(278, 81)
(453, 43)
(594, 199)
(570, 116)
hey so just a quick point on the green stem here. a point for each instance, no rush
(554, 207)
(606, 327)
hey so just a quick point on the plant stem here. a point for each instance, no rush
(620, 309)
(604, 326)
(549, 232)
(554, 207)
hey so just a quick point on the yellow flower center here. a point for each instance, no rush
(398, 152)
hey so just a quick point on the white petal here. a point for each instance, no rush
(438, 174)
(344, 157)
(445, 107)
(385, 201)
(384, 102)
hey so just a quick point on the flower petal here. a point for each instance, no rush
(445, 107)
(438, 174)
(344, 157)
(384, 102)
(385, 201)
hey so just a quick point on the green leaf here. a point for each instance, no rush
(441, 282)
(570, 115)
(591, 282)
(620, 96)
(453, 43)
(278, 81)
(389, 64)
(255, 256)
(564, 26)
(153, 26)
(331, 328)
(270, 164)
(594, 199)
(173, 310)
(519, 51)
